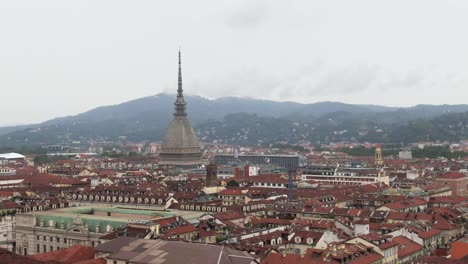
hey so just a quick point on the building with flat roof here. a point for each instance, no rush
(286, 161)
(345, 176)
(9, 158)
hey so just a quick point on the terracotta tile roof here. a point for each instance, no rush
(460, 248)
(167, 221)
(321, 224)
(453, 175)
(385, 226)
(8, 257)
(442, 224)
(448, 199)
(400, 205)
(409, 216)
(302, 237)
(184, 229)
(72, 254)
(9, 205)
(277, 258)
(234, 192)
(441, 260)
(229, 215)
(267, 220)
(367, 259)
(406, 247)
(207, 233)
(424, 234)
(446, 211)
(36, 179)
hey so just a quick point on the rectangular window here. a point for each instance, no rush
(44, 247)
(38, 249)
(51, 238)
(58, 239)
(51, 248)
(45, 238)
(64, 240)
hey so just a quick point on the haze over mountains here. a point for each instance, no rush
(249, 121)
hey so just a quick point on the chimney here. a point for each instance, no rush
(246, 171)
(237, 173)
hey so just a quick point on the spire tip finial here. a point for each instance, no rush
(180, 102)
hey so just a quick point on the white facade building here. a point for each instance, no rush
(7, 232)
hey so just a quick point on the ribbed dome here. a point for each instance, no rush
(180, 135)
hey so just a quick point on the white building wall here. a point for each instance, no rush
(410, 235)
(361, 229)
(411, 175)
(327, 238)
(7, 235)
(253, 170)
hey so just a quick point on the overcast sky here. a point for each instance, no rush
(62, 57)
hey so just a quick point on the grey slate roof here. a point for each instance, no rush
(145, 251)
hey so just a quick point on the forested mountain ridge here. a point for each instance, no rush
(249, 121)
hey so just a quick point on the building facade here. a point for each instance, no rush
(457, 182)
(286, 161)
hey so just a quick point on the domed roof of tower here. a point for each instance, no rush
(180, 134)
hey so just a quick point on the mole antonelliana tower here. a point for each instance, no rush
(180, 146)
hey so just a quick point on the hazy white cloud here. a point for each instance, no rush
(63, 57)
(248, 14)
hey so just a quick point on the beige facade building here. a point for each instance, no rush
(457, 181)
(44, 231)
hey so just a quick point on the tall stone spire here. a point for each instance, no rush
(180, 102)
(180, 146)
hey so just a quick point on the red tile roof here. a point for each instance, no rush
(276, 258)
(400, 205)
(406, 247)
(72, 254)
(229, 215)
(304, 235)
(448, 199)
(460, 248)
(181, 230)
(453, 175)
(8, 257)
(234, 192)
